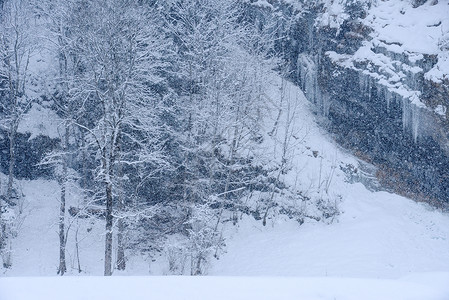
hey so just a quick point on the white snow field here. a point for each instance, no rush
(381, 246)
(222, 288)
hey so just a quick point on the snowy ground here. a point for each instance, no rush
(382, 246)
(379, 235)
(177, 288)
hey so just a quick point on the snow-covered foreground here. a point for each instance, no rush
(378, 235)
(420, 286)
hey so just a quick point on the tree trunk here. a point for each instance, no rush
(7, 261)
(121, 262)
(198, 266)
(62, 241)
(108, 240)
(2, 236)
(77, 248)
(6, 254)
(62, 238)
(12, 141)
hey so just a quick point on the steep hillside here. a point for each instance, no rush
(378, 71)
(377, 234)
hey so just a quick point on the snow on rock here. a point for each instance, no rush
(404, 45)
(440, 70)
(334, 15)
(400, 28)
(408, 29)
(262, 3)
(40, 120)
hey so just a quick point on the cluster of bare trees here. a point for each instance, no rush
(161, 107)
(109, 53)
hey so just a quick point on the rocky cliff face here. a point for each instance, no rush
(379, 71)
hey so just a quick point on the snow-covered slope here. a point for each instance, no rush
(377, 235)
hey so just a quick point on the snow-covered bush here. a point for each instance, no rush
(204, 238)
(329, 207)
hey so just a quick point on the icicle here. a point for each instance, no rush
(387, 98)
(326, 103)
(369, 87)
(362, 83)
(316, 91)
(415, 122)
(411, 118)
(309, 78)
(405, 114)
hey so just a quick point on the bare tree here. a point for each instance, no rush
(16, 48)
(60, 18)
(120, 46)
